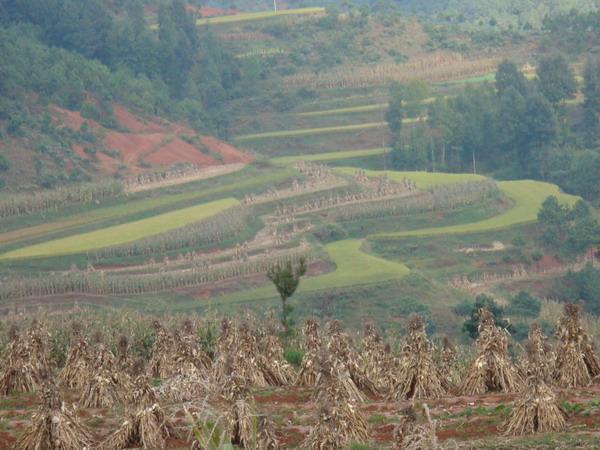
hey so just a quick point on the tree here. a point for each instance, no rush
(4, 164)
(286, 278)
(556, 80)
(591, 103)
(395, 113)
(552, 218)
(541, 127)
(484, 301)
(524, 305)
(509, 76)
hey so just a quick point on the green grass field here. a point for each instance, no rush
(330, 156)
(349, 110)
(258, 16)
(353, 267)
(527, 196)
(424, 180)
(124, 233)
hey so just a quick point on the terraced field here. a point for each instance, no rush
(424, 180)
(353, 267)
(262, 15)
(527, 196)
(122, 234)
(330, 156)
(134, 207)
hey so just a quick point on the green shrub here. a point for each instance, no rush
(293, 355)
(4, 164)
(524, 305)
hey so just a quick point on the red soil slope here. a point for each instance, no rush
(148, 143)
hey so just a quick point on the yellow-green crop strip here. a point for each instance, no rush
(259, 16)
(312, 131)
(527, 196)
(330, 156)
(124, 233)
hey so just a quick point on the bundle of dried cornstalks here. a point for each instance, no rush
(448, 365)
(277, 371)
(148, 427)
(338, 424)
(54, 426)
(576, 361)
(309, 369)
(240, 414)
(345, 360)
(189, 350)
(409, 435)
(75, 371)
(100, 391)
(540, 358)
(38, 350)
(188, 384)
(418, 377)
(537, 410)
(18, 373)
(374, 361)
(162, 362)
(492, 369)
(267, 439)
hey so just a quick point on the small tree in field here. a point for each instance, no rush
(286, 278)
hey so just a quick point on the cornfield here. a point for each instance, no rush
(215, 386)
(54, 199)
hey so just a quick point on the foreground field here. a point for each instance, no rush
(527, 196)
(121, 234)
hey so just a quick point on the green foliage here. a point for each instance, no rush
(524, 305)
(286, 278)
(508, 76)
(4, 164)
(293, 355)
(583, 285)
(483, 301)
(591, 104)
(573, 229)
(556, 80)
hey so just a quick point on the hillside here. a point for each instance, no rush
(354, 226)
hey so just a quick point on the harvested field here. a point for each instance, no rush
(244, 17)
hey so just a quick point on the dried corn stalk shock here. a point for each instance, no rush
(38, 349)
(189, 383)
(492, 369)
(539, 355)
(75, 371)
(189, 349)
(538, 409)
(374, 361)
(226, 342)
(102, 387)
(18, 373)
(339, 420)
(576, 361)
(419, 376)
(277, 371)
(344, 358)
(54, 426)
(410, 435)
(309, 370)
(147, 427)
(448, 365)
(240, 413)
(162, 362)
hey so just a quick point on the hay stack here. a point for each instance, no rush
(277, 371)
(492, 369)
(576, 361)
(374, 361)
(309, 370)
(102, 387)
(38, 349)
(147, 427)
(75, 371)
(409, 435)
(54, 426)
(448, 365)
(418, 377)
(537, 410)
(162, 362)
(345, 359)
(18, 373)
